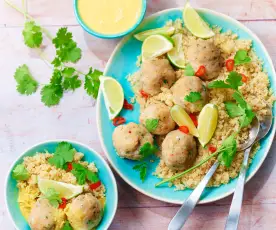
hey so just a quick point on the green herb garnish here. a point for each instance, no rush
(67, 226)
(82, 174)
(152, 124)
(53, 197)
(189, 71)
(241, 57)
(26, 84)
(233, 81)
(193, 97)
(142, 168)
(64, 153)
(20, 172)
(228, 151)
(32, 34)
(147, 150)
(92, 82)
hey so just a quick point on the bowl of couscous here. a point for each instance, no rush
(61, 184)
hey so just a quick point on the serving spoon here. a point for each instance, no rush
(188, 206)
(235, 208)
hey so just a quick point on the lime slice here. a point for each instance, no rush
(176, 55)
(65, 190)
(113, 96)
(207, 123)
(168, 31)
(181, 118)
(195, 24)
(156, 45)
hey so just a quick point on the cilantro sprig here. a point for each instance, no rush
(26, 84)
(189, 71)
(233, 81)
(32, 34)
(20, 172)
(241, 57)
(152, 124)
(142, 169)
(92, 82)
(63, 154)
(82, 174)
(193, 97)
(52, 196)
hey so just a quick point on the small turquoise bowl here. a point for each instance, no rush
(109, 36)
(105, 175)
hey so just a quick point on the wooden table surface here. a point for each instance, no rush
(26, 121)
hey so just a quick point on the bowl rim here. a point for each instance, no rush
(115, 194)
(98, 106)
(109, 36)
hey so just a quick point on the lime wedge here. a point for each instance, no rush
(176, 55)
(207, 123)
(168, 31)
(195, 24)
(65, 190)
(113, 96)
(181, 118)
(156, 45)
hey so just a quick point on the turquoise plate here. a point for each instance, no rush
(105, 175)
(123, 62)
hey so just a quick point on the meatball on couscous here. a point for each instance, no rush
(161, 113)
(127, 140)
(183, 87)
(179, 150)
(156, 73)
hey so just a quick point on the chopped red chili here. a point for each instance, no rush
(63, 203)
(244, 78)
(129, 131)
(184, 129)
(127, 105)
(95, 185)
(144, 94)
(212, 149)
(69, 167)
(201, 71)
(230, 64)
(194, 119)
(118, 121)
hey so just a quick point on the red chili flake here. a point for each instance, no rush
(63, 203)
(212, 149)
(118, 121)
(184, 129)
(201, 71)
(127, 105)
(95, 185)
(230, 64)
(129, 131)
(244, 78)
(194, 119)
(69, 167)
(144, 94)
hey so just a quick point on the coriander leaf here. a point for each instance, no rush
(234, 79)
(25, 82)
(68, 71)
(147, 149)
(189, 71)
(247, 118)
(80, 172)
(71, 83)
(53, 92)
(65, 150)
(32, 34)
(233, 109)
(91, 176)
(193, 97)
(152, 124)
(53, 197)
(92, 82)
(218, 84)
(142, 168)
(67, 226)
(57, 161)
(241, 57)
(20, 172)
(242, 103)
(228, 150)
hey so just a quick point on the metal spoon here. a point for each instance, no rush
(235, 209)
(188, 206)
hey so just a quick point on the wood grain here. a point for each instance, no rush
(26, 121)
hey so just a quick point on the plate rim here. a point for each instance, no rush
(98, 106)
(54, 141)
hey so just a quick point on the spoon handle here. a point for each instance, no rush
(235, 209)
(187, 208)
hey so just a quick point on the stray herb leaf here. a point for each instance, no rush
(142, 168)
(53, 196)
(235, 80)
(193, 97)
(147, 150)
(82, 173)
(229, 149)
(32, 34)
(189, 71)
(20, 172)
(241, 57)
(152, 124)
(92, 82)
(233, 109)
